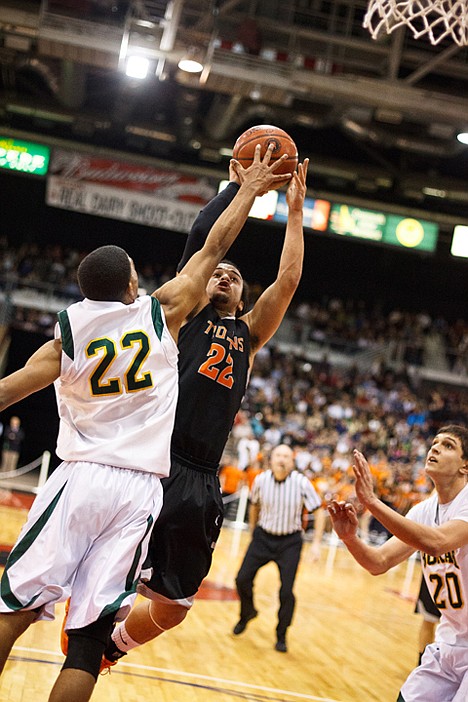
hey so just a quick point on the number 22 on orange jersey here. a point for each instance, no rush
(210, 367)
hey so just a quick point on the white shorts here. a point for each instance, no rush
(86, 536)
(441, 677)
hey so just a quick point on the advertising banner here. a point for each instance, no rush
(132, 193)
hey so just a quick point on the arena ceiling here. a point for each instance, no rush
(378, 119)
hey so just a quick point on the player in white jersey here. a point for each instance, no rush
(141, 356)
(114, 365)
(438, 527)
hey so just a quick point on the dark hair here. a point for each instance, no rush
(245, 295)
(460, 432)
(104, 274)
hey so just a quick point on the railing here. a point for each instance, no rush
(37, 295)
(10, 479)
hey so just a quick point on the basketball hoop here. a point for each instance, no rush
(433, 19)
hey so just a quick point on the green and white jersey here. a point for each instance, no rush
(118, 387)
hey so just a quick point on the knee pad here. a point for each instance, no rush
(86, 645)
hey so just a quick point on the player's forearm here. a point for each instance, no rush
(422, 538)
(204, 222)
(17, 386)
(8, 396)
(292, 255)
(225, 230)
(367, 556)
(40, 371)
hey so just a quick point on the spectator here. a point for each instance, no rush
(12, 442)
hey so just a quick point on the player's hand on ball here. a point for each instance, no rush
(261, 174)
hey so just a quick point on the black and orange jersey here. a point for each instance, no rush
(213, 369)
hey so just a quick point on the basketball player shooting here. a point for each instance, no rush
(217, 347)
(99, 504)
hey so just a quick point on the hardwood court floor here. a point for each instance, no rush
(353, 639)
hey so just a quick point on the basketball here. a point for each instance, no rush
(265, 134)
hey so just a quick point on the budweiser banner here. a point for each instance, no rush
(132, 193)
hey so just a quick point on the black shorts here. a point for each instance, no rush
(425, 604)
(186, 531)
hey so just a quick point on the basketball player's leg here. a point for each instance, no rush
(12, 625)
(73, 686)
(438, 677)
(179, 557)
(148, 620)
(33, 583)
(83, 661)
(100, 597)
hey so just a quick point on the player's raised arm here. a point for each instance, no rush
(433, 540)
(180, 295)
(208, 216)
(268, 312)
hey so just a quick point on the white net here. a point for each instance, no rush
(436, 20)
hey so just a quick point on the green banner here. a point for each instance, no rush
(396, 230)
(411, 233)
(24, 156)
(349, 220)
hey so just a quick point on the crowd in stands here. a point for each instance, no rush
(47, 277)
(414, 338)
(325, 412)
(322, 411)
(410, 337)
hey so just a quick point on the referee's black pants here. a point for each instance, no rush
(285, 551)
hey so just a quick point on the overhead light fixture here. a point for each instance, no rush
(463, 137)
(256, 93)
(434, 192)
(191, 62)
(137, 67)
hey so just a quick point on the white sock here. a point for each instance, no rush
(122, 639)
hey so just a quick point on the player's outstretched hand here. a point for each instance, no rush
(297, 187)
(261, 174)
(344, 518)
(364, 480)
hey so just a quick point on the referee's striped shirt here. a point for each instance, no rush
(282, 502)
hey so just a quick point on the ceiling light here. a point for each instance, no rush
(191, 62)
(463, 137)
(137, 67)
(190, 65)
(434, 192)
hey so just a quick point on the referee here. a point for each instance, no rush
(277, 500)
